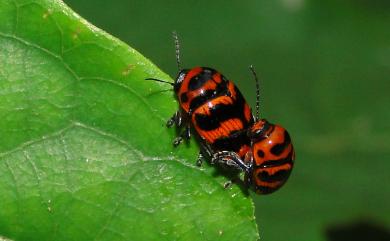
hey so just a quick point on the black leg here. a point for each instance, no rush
(187, 132)
(241, 184)
(229, 158)
(185, 135)
(228, 184)
(171, 120)
(248, 177)
(177, 141)
(199, 161)
(204, 148)
(176, 119)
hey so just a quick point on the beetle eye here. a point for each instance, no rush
(179, 79)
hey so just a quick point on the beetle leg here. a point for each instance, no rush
(204, 149)
(229, 158)
(177, 141)
(176, 119)
(199, 160)
(185, 135)
(248, 176)
(228, 184)
(187, 132)
(171, 120)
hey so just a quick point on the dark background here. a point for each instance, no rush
(324, 67)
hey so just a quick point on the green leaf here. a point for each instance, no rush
(84, 152)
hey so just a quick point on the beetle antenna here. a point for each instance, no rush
(257, 117)
(177, 49)
(162, 81)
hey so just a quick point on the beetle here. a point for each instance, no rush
(270, 160)
(229, 133)
(214, 107)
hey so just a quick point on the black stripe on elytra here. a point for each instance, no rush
(223, 112)
(278, 176)
(278, 162)
(277, 149)
(265, 189)
(233, 142)
(218, 114)
(208, 95)
(260, 153)
(202, 99)
(198, 80)
(258, 188)
(183, 97)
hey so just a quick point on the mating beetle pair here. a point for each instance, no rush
(229, 133)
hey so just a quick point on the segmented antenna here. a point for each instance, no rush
(159, 80)
(257, 93)
(177, 48)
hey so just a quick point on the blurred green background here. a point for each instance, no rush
(325, 75)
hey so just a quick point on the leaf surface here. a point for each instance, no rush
(84, 152)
